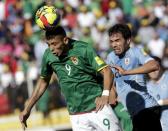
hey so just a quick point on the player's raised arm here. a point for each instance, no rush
(148, 67)
(37, 93)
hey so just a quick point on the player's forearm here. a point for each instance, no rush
(146, 68)
(113, 96)
(37, 93)
(108, 78)
(163, 102)
(104, 99)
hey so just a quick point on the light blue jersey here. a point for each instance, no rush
(131, 89)
(159, 90)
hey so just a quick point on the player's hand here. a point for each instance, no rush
(101, 102)
(23, 118)
(119, 69)
(113, 96)
(112, 101)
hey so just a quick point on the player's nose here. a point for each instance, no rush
(113, 46)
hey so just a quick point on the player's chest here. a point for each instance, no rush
(159, 90)
(127, 62)
(68, 66)
(163, 89)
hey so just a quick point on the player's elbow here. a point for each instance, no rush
(107, 70)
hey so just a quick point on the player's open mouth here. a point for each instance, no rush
(54, 53)
(116, 50)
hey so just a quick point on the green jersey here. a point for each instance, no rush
(78, 75)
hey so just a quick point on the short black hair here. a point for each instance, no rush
(59, 30)
(121, 28)
(157, 59)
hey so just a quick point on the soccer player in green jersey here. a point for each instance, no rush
(80, 73)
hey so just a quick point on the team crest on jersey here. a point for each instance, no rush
(74, 60)
(127, 61)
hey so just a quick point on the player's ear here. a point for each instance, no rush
(129, 40)
(66, 40)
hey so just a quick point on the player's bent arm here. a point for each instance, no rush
(41, 86)
(148, 67)
(108, 80)
(108, 77)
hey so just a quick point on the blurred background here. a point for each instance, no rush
(22, 45)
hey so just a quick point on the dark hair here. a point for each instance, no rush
(49, 34)
(120, 28)
(157, 59)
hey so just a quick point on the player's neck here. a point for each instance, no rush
(123, 54)
(67, 48)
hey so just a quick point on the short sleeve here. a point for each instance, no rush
(94, 60)
(110, 60)
(142, 56)
(46, 70)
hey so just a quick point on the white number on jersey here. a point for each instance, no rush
(68, 68)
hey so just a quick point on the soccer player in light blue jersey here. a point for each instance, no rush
(130, 64)
(158, 88)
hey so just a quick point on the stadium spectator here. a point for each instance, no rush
(157, 87)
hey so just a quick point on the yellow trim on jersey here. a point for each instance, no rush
(144, 52)
(98, 60)
(102, 68)
(44, 77)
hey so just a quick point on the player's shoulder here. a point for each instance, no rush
(78, 43)
(166, 74)
(48, 56)
(111, 57)
(82, 47)
(138, 50)
(111, 54)
(46, 52)
(135, 49)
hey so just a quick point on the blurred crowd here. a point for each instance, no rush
(22, 43)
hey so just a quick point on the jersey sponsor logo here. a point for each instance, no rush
(127, 61)
(98, 60)
(74, 60)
